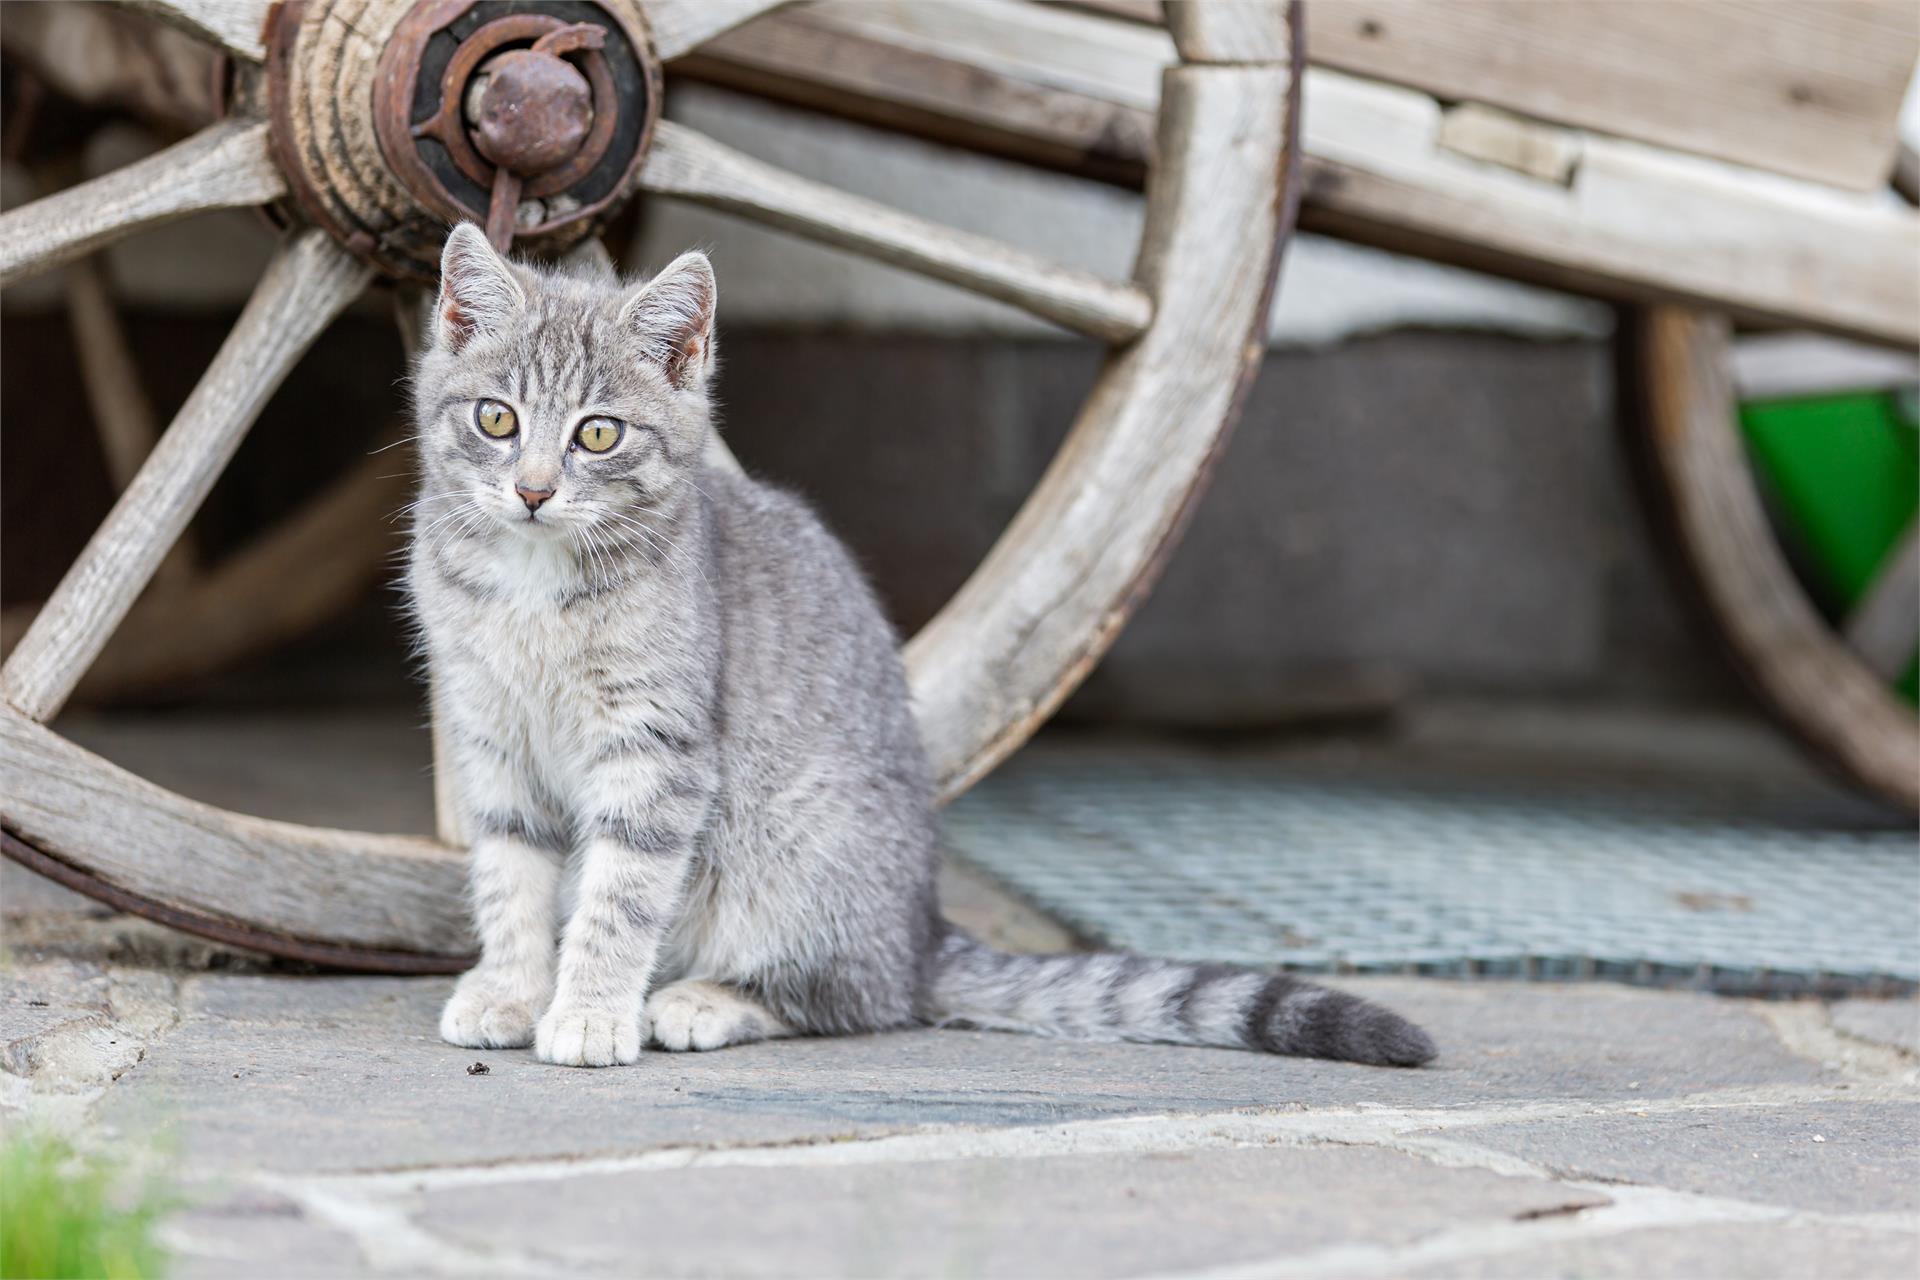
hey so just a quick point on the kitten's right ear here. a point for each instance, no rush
(478, 293)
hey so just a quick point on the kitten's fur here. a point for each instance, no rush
(680, 733)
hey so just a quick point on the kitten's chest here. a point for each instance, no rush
(535, 649)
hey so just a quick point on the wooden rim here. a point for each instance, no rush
(1678, 363)
(233, 933)
(1019, 636)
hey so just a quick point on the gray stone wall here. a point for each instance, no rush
(1419, 511)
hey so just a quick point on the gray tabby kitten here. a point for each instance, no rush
(700, 810)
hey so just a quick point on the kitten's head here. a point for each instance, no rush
(556, 402)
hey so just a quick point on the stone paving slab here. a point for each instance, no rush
(320, 1128)
(37, 999)
(1826, 1156)
(1893, 1023)
(1747, 1250)
(250, 1235)
(1058, 1217)
(330, 1074)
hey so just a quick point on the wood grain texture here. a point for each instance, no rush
(1884, 628)
(680, 26)
(1629, 222)
(1850, 716)
(308, 282)
(1229, 30)
(1808, 90)
(1061, 581)
(1042, 83)
(690, 166)
(237, 26)
(1607, 217)
(224, 165)
(348, 887)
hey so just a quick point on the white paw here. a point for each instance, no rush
(490, 1010)
(700, 1015)
(587, 1036)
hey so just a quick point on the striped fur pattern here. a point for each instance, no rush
(679, 731)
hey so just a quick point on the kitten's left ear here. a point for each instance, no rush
(672, 316)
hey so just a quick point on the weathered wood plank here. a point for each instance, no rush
(222, 166)
(1628, 222)
(1601, 216)
(954, 82)
(308, 283)
(1229, 30)
(1809, 90)
(680, 26)
(690, 166)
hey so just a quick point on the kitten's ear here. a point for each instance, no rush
(672, 317)
(478, 293)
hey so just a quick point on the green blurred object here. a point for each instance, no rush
(64, 1214)
(1844, 475)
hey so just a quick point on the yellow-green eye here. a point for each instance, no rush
(495, 419)
(597, 435)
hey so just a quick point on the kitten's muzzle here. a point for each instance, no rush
(532, 497)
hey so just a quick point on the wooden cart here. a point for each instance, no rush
(1697, 162)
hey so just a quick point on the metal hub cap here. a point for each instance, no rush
(530, 118)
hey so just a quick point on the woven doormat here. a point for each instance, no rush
(1478, 863)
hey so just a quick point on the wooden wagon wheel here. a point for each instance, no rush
(364, 193)
(1833, 689)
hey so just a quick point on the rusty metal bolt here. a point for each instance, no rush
(535, 112)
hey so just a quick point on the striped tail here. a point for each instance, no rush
(1113, 996)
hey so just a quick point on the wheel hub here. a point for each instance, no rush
(396, 120)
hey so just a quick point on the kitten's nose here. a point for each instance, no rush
(532, 497)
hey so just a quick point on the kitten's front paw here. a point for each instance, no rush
(588, 1036)
(486, 1011)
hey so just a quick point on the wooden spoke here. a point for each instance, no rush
(679, 26)
(124, 418)
(309, 281)
(691, 166)
(105, 57)
(237, 26)
(314, 562)
(122, 415)
(1884, 628)
(221, 167)
(1795, 661)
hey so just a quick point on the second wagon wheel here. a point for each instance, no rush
(1832, 686)
(364, 124)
